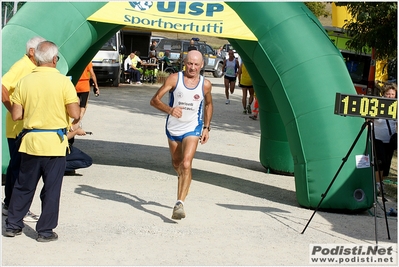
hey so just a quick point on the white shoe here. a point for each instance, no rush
(138, 83)
(31, 217)
(227, 101)
(178, 212)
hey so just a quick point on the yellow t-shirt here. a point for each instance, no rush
(44, 95)
(245, 78)
(135, 60)
(20, 69)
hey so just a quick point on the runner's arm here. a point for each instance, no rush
(156, 100)
(208, 111)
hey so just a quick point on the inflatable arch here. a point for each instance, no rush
(295, 68)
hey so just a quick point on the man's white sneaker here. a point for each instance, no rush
(138, 83)
(227, 101)
(31, 217)
(178, 212)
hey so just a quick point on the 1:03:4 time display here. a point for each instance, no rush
(366, 106)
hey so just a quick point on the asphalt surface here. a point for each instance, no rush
(118, 211)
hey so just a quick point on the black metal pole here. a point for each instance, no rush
(374, 162)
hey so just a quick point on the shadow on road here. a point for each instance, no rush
(142, 156)
(123, 197)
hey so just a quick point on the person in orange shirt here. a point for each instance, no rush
(83, 88)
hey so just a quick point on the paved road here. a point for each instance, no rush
(117, 212)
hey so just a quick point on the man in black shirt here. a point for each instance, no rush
(192, 45)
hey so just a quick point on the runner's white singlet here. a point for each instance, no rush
(191, 100)
(231, 68)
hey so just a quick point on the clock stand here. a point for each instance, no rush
(370, 137)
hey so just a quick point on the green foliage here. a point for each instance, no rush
(318, 9)
(373, 24)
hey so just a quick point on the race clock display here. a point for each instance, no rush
(366, 106)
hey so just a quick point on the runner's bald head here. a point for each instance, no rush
(194, 54)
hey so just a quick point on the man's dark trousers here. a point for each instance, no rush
(12, 169)
(32, 169)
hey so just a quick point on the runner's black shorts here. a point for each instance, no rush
(231, 79)
(83, 97)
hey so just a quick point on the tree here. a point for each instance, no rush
(318, 9)
(373, 24)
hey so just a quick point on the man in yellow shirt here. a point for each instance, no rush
(9, 81)
(45, 99)
(130, 65)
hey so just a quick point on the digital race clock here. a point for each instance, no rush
(366, 106)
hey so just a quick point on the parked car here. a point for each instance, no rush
(157, 39)
(178, 51)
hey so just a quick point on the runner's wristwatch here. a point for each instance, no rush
(207, 127)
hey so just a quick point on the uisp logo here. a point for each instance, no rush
(141, 5)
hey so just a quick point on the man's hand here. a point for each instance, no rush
(177, 112)
(80, 131)
(204, 137)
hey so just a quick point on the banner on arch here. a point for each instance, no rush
(203, 18)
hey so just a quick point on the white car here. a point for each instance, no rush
(157, 39)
